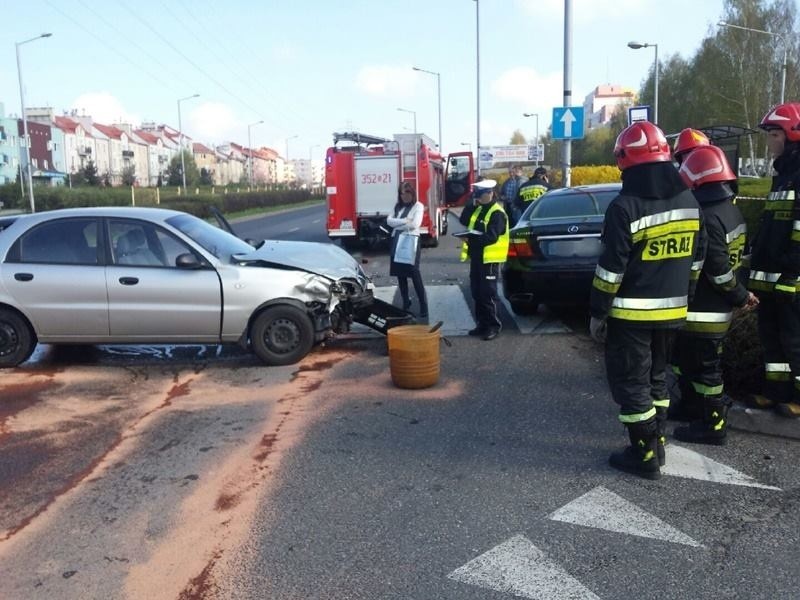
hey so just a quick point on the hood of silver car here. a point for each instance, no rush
(322, 259)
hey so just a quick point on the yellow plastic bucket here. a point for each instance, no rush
(413, 356)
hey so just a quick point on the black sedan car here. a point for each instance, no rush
(555, 246)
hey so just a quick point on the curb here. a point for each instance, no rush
(766, 422)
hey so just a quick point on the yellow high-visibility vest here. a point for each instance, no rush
(493, 253)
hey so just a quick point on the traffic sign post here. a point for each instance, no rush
(638, 113)
(568, 123)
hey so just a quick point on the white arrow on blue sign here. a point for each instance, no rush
(567, 122)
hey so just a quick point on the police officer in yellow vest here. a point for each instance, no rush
(487, 249)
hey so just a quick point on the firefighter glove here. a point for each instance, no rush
(598, 330)
(785, 290)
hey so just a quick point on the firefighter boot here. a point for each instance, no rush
(661, 423)
(712, 429)
(640, 458)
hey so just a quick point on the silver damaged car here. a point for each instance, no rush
(153, 276)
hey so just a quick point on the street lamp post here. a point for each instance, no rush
(636, 46)
(772, 33)
(478, 78)
(416, 149)
(468, 145)
(180, 128)
(28, 164)
(250, 151)
(537, 133)
(439, 100)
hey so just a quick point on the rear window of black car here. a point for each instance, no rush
(580, 204)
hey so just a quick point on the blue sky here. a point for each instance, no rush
(308, 68)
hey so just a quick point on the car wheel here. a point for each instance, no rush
(16, 339)
(524, 308)
(282, 335)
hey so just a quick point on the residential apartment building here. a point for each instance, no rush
(158, 157)
(205, 158)
(9, 148)
(603, 101)
(309, 173)
(79, 144)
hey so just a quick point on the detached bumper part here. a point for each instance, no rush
(382, 316)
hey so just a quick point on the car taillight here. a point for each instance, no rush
(522, 248)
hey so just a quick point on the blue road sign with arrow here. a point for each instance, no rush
(567, 122)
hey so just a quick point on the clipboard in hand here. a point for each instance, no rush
(467, 233)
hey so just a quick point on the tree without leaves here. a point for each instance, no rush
(734, 77)
(129, 175)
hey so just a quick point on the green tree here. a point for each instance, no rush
(174, 170)
(89, 174)
(517, 138)
(206, 177)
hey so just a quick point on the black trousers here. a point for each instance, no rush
(699, 359)
(419, 289)
(779, 330)
(483, 280)
(636, 362)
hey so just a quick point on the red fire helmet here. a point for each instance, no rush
(639, 144)
(705, 164)
(689, 139)
(786, 117)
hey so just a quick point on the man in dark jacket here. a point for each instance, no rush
(487, 250)
(775, 265)
(640, 292)
(530, 190)
(697, 353)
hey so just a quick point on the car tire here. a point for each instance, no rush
(524, 308)
(17, 340)
(282, 335)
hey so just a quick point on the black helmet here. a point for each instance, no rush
(539, 172)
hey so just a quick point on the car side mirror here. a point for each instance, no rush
(187, 260)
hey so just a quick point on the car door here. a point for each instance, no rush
(55, 275)
(150, 298)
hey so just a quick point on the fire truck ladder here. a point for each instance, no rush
(358, 138)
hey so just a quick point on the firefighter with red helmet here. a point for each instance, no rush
(688, 140)
(640, 292)
(775, 265)
(698, 346)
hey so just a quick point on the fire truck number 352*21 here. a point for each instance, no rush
(363, 174)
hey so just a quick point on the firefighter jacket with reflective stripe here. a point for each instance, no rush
(718, 288)
(530, 191)
(775, 259)
(491, 220)
(651, 247)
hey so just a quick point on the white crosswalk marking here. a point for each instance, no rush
(603, 509)
(682, 462)
(518, 567)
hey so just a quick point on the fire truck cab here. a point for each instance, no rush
(363, 175)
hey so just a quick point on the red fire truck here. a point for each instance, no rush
(362, 176)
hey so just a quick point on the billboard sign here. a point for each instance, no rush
(489, 156)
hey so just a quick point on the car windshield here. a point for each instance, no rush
(577, 204)
(220, 243)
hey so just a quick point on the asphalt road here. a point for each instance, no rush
(197, 473)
